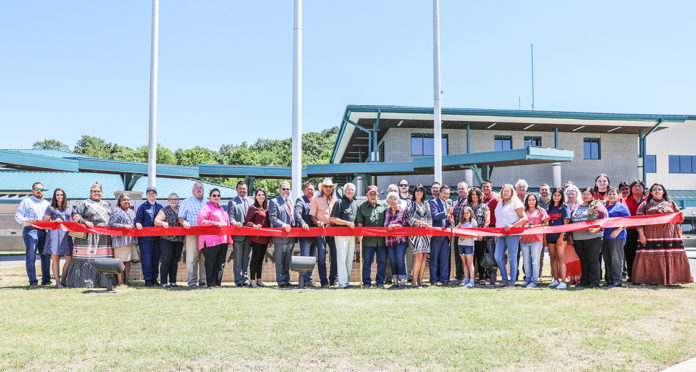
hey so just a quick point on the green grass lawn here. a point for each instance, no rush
(637, 328)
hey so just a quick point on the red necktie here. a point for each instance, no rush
(287, 204)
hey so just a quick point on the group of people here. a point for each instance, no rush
(652, 254)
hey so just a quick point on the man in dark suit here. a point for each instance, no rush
(441, 208)
(237, 209)
(308, 246)
(280, 211)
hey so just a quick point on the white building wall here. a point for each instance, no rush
(680, 139)
(618, 152)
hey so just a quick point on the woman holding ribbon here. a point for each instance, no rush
(91, 212)
(58, 242)
(257, 217)
(588, 242)
(418, 214)
(660, 258)
(170, 246)
(213, 247)
(125, 247)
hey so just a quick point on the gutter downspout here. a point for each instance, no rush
(644, 143)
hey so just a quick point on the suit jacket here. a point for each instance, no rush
(440, 218)
(235, 209)
(278, 216)
(302, 206)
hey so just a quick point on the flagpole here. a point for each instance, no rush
(437, 104)
(154, 51)
(297, 102)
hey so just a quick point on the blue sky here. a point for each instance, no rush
(82, 67)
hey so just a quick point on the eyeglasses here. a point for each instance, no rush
(39, 189)
(215, 196)
(285, 189)
(403, 185)
(176, 200)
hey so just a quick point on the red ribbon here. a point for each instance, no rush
(655, 219)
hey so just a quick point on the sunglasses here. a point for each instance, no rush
(285, 189)
(215, 196)
(403, 185)
(39, 189)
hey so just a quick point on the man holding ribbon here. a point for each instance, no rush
(281, 215)
(237, 209)
(32, 209)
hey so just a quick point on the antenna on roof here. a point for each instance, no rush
(532, 76)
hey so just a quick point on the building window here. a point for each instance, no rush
(650, 164)
(501, 143)
(591, 148)
(532, 141)
(423, 144)
(682, 164)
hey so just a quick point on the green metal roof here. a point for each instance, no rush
(501, 113)
(77, 185)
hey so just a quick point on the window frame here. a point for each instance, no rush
(532, 138)
(592, 140)
(422, 136)
(501, 138)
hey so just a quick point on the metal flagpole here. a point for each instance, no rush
(152, 152)
(297, 103)
(437, 104)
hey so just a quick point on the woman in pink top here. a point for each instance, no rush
(532, 245)
(213, 247)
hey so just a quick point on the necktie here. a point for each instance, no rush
(246, 206)
(287, 204)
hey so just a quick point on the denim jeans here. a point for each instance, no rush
(308, 247)
(439, 259)
(368, 255)
(531, 251)
(510, 244)
(35, 240)
(322, 242)
(397, 254)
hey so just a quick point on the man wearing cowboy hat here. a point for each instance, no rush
(320, 212)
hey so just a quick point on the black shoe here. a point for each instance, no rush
(148, 283)
(380, 286)
(155, 282)
(393, 286)
(402, 286)
(367, 285)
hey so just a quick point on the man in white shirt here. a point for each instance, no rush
(32, 209)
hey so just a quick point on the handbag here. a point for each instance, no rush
(488, 260)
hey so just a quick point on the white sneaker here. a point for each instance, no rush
(470, 285)
(465, 281)
(561, 286)
(462, 284)
(554, 283)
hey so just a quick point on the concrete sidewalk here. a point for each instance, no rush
(11, 261)
(685, 366)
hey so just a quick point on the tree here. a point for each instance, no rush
(164, 155)
(50, 144)
(195, 156)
